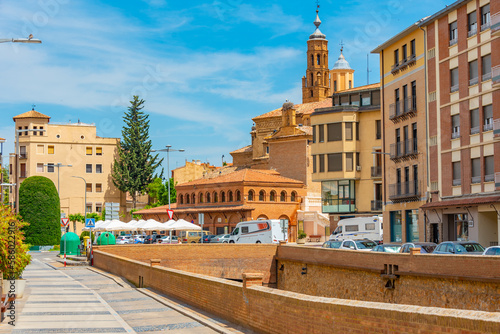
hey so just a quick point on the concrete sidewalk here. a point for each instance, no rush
(81, 300)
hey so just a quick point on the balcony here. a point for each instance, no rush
(476, 179)
(496, 127)
(486, 77)
(485, 26)
(455, 133)
(395, 68)
(495, 24)
(457, 182)
(474, 130)
(453, 41)
(473, 81)
(403, 109)
(377, 205)
(488, 126)
(495, 74)
(23, 155)
(404, 191)
(454, 88)
(404, 150)
(377, 171)
(489, 178)
(472, 32)
(497, 180)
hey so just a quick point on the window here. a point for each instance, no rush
(334, 131)
(39, 168)
(413, 49)
(321, 163)
(318, 59)
(413, 103)
(485, 17)
(351, 228)
(230, 196)
(283, 196)
(41, 132)
(222, 197)
(355, 99)
(348, 131)
(314, 134)
(89, 207)
(88, 168)
(181, 199)
(238, 195)
(208, 197)
(455, 126)
(22, 152)
(378, 129)
(350, 84)
(88, 150)
(476, 170)
(262, 196)
(454, 80)
(488, 117)
(334, 85)
(321, 131)
(405, 53)
(250, 195)
(358, 162)
(215, 197)
(366, 99)
(89, 187)
(335, 162)
(453, 33)
(272, 196)
(312, 59)
(349, 162)
(26, 132)
(338, 196)
(35, 132)
(200, 198)
(314, 163)
(98, 187)
(98, 207)
(50, 168)
(370, 226)
(489, 169)
(396, 57)
(457, 178)
(472, 23)
(98, 168)
(486, 67)
(293, 197)
(474, 121)
(357, 130)
(193, 198)
(50, 149)
(473, 73)
(98, 151)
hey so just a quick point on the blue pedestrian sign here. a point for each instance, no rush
(90, 222)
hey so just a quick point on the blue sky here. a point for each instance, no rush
(205, 68)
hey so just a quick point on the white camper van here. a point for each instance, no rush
(359, 228)
(258, 231)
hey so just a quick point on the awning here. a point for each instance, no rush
(471, 201)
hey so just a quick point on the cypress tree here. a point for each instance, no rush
(135, 166)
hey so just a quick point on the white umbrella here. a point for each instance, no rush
(182, 225)
(153, 225)
(117, 225)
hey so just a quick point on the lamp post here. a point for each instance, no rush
(85, 213)
(30, 39)
(58, 165)
(17, 161)
(1, 166)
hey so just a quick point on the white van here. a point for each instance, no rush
(258, 231)
(359, 228)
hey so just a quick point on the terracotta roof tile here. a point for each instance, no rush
(31, 114)
(370, 86)
(195, 209)
(304, 109)
(245, 149)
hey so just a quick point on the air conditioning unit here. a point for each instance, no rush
(358, 168)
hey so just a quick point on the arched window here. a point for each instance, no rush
(181, 199)
(272, 196)
(250, 195)
(216, 197)
(283, 196)
(187, 198)
(262, 195)
(238, 196)
(312, 94)
(312, 60)
(229, 196)
(326, 83)
(318, 59)
(312, 80)
(208, 197)
(200, 198)
(193, 198)
(293, 197)
(324, 60)
(222, 196)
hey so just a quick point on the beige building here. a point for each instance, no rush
(344, 137)
(77, 144)
(191, 171)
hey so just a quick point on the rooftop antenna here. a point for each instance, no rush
(367, 69)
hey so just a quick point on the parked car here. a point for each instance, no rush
(208, 238)
(360, 227)
(493, 250)
(124, 239)
(361, 245)
(152, 239)
(139, 239)
(221, 238)
(425, 247)
(332, 244)
(166, 240)
(459, 248)
(387, 248)
(192, 237)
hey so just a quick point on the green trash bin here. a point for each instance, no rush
(72, 243)
(106, 238)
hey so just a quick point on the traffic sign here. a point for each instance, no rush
(90, 222)
(170, 213)
(201, 218)
(64, 222)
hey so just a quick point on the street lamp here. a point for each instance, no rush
(17, 161)
(168, 149)
(58, 165)
(85, 213)
(30, 39)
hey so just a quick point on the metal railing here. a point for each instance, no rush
(376, 205)
(404, 190)
(473, 81)
(476, 179)
(453, 41)
(23, 155)
(485, 26)
(474, 130)
(489, 178)
(455, 134)
(376, 171)
(488, 126)
(486, 77)
(495, 74)
(406, 105)
(454, 88)
(495, 22)
(472, 32)
(457, 182)
(404, 148)
(496, 127)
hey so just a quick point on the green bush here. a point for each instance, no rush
(39, 206)
(301, 235)
(14, 255)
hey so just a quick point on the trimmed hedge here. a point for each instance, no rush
(39, 206)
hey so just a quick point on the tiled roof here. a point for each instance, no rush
(245, 175)
(304, 109)
(31, 114)
(370, 86)
(196, 209)
(245, 149)
(2, 138)
(462, 202)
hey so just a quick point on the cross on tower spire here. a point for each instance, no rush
(341, 46)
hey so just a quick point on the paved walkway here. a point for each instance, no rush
(81, 300)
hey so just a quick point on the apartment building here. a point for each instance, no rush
(346, 153)
(463, 71)
(65, 153)
(404, 148)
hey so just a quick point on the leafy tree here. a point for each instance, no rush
(155, 189)
(77, 217)
(5, 174)
(39, 206)
(158, 192)
(134, 168)
(13, 260)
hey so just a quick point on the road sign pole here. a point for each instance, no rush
(65, 245)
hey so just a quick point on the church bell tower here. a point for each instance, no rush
(316, 83)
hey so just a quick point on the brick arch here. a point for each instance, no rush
(251, 195)
(262, 216)
(262, 195)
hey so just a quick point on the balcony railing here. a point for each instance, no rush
(485, 26)
(377, 205)
(454, 88)
(404, 191)
(473, 81)
(486, 77)
(488, 126)
(455, 134)
(376, 171)
(395, 67)
(23, 155)
(472, 32)
(497, 180)
(453, 41)
(495, 23)
(489, 178)
(496, 127)
(476, 179)
(457, 182)
(404, 149)
(405, 107)
(23, 175)
(495, 74)
(474, 130)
